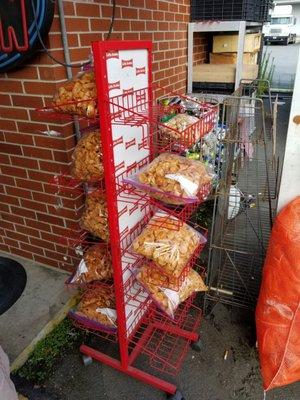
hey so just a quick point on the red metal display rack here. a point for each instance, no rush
(130, 138)
(131, 135)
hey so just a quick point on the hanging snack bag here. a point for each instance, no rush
(94, 217)
(96, 309)
(78, 97)
(96, 265)
(167, 299)
(173, 179)
(169, 249)
(87, 158)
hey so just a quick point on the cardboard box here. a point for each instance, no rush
(231, 58)
(223, 73)
(229, 43)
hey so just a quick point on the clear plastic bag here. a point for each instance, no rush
(87, 158)
(172, 179)
(165, 298)
(176, 125)
(99, 306)
(96, 265)
(78, 96)
(94, 217)
(169, 249)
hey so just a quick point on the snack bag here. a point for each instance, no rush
(87, 158)
(170, 250)
(98, 308)
(94, 217)
(178, 124)
(173, 179)
(96, 265)
(167, 299)
(78, 97)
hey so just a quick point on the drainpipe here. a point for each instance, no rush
(66, 50)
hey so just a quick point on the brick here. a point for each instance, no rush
(151, 25)
(100, 24)
(41, 226)
(80, 54)
(87, 10)
(17, 236)
(28, 231)
(4, 208)
(69, 8)
(50, 219)
(27, 101)
(13, 113)
(145, 14)
(163, 26)
(106, 11)
(65, 213)
(77, 24)
(37, 153)
(4, 159)
(11, 242)
(138, 25)
(49, 142)
(32, 205)
(128, 13)
(10, 200)
(164, 6)
(46, 88)
(87, 38)
(7, 225)
(151, 4)
(22, 212)
(137, 3)
(46, 261)
(7, 125)
(17, 192)
(19, 138)
(5, 100)
(21, 253)
(13, 171)
(28, 184)
(56, 41)
(4, 247)
(10, 86)
(42, 243)
(39, 176)
(32, 249)
(53, 167)
(28, 72)
(7, 180)
(24, 162)
(31, 127)
(121, 25)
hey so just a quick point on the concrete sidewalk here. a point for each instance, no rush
(42, 301)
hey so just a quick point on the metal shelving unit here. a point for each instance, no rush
(241, 27)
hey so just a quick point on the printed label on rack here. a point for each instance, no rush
(130, 143)
(128, 91)
(114, 85)
(118, 141)
(123, 211)
(120, 166)
(133, 209)
(127, 63)
(141, 97)
(112, 54)
(140, 71)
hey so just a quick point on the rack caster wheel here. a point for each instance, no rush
(87, 360)
(197, 346)
(176, 396)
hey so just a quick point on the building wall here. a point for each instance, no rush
(33, 218)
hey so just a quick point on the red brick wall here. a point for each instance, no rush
(31, 224)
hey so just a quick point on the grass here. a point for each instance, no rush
(41, 362)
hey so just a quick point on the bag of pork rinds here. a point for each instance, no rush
(278, 308)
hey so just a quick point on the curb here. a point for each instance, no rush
(23, 356)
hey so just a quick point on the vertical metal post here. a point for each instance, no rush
(240, 54)
(190, 57)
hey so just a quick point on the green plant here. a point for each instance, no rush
(49, 350)
(266, 73)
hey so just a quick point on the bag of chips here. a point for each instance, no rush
(173, 179)
(78, 96)
(94, 217)
(96, 265)
(170, 250)
(167, 299)
(97, 309)
(87, 158)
